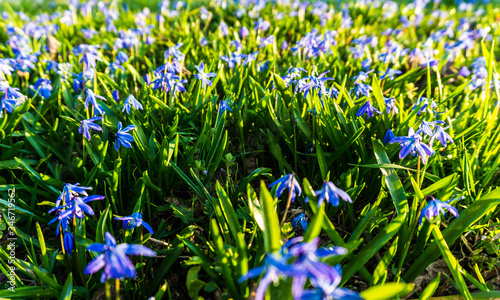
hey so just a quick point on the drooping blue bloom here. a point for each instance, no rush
(244, 32)
(464, 71)
(307, 265)
(388, 136)
(204, 77)
(274, 267)
(362, 89)
(114, 259)
(262, 25)
(223, 29)
(175, 52)
(362, 77)
(6, 66)
(287, 181)
(441, 135)
(68, 241)
(123, 138)
(413, 144)
(434, 208)
(116, 95)
(331, 194)
(224, 106)
(390, 104)
(77, 207)
(70, 190)
(311, 83)
(367, 109)
(89, 33)
(91, 98)
(250, 57)
(300, 219)
(121, 57)
(425, 104)
(88, 124)
(131, 102)
(44, 87)
(427, 127)
(134, 221)
(267, 41)
(390, 73)
(89, 54)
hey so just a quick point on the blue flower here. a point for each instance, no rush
(121, 57)
(300, 219)
(123, 138)
(114, 259)
(70, 190)
(204, 77)
(434, 208)
(250, 57)
(390, 104)
(86, 125)
(388, 136)
(77, 207)
(426, 127)
(441, 135)
(413, 144)
(367, 109)
(175, 52)
(287, 181)
(362, 89)
(68, 241)
(134, 221)
(307, 265)
(5, 66)
(274, 267)
(224, 106)
(131, 102)
(362, 76)
(44, 87)
(331, 194)
(425, 103)
(91, 98)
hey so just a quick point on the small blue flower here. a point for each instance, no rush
(91, 98)
(224, 106)
(300, 219)
(434, 208)
(331, 194)
(44, 87)
(121, 57)
(388, 136)
(287, 181)
(86, 125)
(390, 104)
(134, 221)
(441, 135)
(114, 258)
(274, 267)
(131, 102)
(5, 66)
(68, 241)
(204, 77)
(425, 103)
(413, 144)
(367, 109)
(77, 207)
(362, 89)
(70, 190)
(427, 127)
(123, 138)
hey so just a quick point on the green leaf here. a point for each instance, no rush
(67, 288)
(272, 235)
(387, 291)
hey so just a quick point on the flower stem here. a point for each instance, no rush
(418, 172)
(107, 288)
(117, 288)
(287, 207)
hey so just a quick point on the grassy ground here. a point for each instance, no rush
(199, 172)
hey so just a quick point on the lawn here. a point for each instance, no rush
(249, 150)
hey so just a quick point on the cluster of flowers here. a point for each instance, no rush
(301, 261)
(74, 199)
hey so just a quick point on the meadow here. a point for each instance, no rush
(249, 150)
